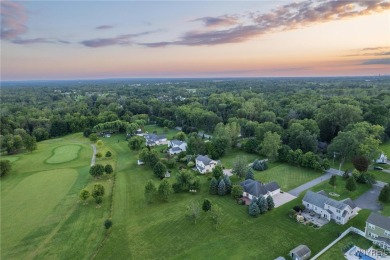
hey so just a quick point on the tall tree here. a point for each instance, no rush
(216, 216)
(150, 192)
(84, 195)
(351, 184)
(361, 163)
(271, 145)
(332, 180)
(228, 184)
(193, 211)
(108, 169)
(270, 202)
(159, 170)
(30, 143)
(240, 167)
(164, 190)
(253, 209)
(206, 206)
(249, 174)
(213, 186)
(384, 195)
(236, 191)
(221, 188)
(136, 142)
(96, 170)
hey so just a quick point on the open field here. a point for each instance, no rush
(41, 216)
(65, 153)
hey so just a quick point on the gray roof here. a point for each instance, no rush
(153, 137)
(204, 158)
(272, 186)
(175, 149)
(301, 250)
(320, 200)
(322, 192)
(379, 220)
(258, 189)
(177, 142)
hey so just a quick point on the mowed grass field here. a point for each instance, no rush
(41, 216)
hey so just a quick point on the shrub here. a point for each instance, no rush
(108, 223)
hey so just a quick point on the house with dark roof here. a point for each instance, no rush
(378, 230)
(301, 252)
(153, 139)
(204, 164)
(254, 189)
(176, 147)
(320, 203)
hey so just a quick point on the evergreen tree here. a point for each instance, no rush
(351, 184)
(206, 205)
(262, 204)
(108, 154)
(213, 186)
(270, 202)
(221, 188)
(218, 172)
(5, 167)
(150, 192)
(384, 196)
(249, 175)
(253, 209)
(332, 180)
(228, 184)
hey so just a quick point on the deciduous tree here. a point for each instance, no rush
(164, 190)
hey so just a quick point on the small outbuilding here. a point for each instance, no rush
(301, 252)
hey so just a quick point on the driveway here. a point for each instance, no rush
(295, 192)
(369, 199)
(282, 198)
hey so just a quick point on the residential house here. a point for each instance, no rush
(153, 139)
(382, 158)
(301, 252)
(176, 147)
(139, 132)
(320, 203)
(378, 230)
(205, 164)
(255, 189)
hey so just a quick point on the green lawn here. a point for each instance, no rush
(337, 251)
(41, 216)
(228, 159)
(341, 190)
(64, 153)
(287, 176)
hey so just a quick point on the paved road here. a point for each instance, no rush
(93, 155)
(295, 192)
(369, 199)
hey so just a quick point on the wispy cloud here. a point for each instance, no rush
(38, 40)
(217, 21)
(125, 39)
(372, 51)
(13, 19)
(286, 17)
(385, 61)
(104, 27)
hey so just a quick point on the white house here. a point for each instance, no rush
(176, 147)
(152, 139)
(254, 189)
(339, 211)
(205, 164)
(382, 158)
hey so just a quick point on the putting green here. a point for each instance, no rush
(32, 203)
(64, 154)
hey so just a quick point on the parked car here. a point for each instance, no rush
(378, 168)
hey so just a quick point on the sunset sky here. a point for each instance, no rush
(42, 40)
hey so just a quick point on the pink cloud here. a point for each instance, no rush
(13, 19)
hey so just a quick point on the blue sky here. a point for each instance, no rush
(100, 39)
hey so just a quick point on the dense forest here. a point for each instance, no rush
(324, 116)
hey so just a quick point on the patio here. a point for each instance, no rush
(314, 218)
